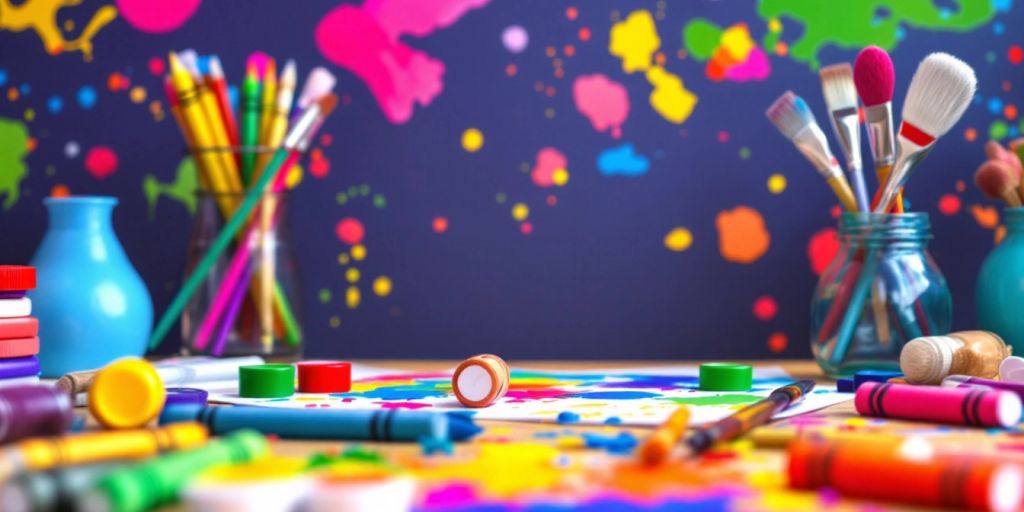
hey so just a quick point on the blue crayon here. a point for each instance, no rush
(372, 425)
(881, 376)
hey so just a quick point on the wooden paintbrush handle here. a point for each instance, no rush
(842, 190)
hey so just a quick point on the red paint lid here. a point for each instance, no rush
(325, 377)
(16, 278)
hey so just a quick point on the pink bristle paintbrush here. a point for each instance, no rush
(999, 181)
(875, 79)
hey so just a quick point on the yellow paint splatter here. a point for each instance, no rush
(41, 17)
(634, 40)
(679, 239)
(670, 98)
(472, 140)
(137, 94)
(334, 321)
(352, 275)
(343, 258)
(520, 211)
(776, 183)
(560, 177)
(382, 286)
(774, 25)
(294, 176)
(737, 42)
(503, 469)
(30, 114)
(359, 252)
(352, 297)
(742, 236)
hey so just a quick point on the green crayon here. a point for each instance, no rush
(51, 491)
(250, 122)
(159, 481)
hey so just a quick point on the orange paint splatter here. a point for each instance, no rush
(511, 70)
(1010, 111)
(778, 342)
(961, 186)
(1000, 234)
(822, 249)
(60, 191)
(742, 236)
(971, 134)
(986, 216)
(440, 225)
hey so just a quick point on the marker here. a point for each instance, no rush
(378, 425)
(957, 406)
(966, 381)
(909, 472)
(33, 410)
(755, 414)
(159, 481)
(56, 490)
(41, 453)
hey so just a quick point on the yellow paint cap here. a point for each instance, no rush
(127, 393)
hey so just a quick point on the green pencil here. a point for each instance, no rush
(250, 130)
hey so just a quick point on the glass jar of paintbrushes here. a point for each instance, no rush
(247, 303)
(882, 290)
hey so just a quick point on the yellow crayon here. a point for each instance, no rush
(45, 453)
(195, 118)
(278, 115)
(269, 92)
(663, 440)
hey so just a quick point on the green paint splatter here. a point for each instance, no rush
(744, 153)
(865, 22)
(324, 295)
(700, 38)
(379, 201)
(182, 189)
(342, 198)
(715, 399)
(998, 130)
(500, 197)
(364, 190)
(13, 148)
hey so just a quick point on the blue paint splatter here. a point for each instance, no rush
(998, 28)
(995, 105)
(613, 420)
(1002, 5)
(613, 395)
(54, 104)
(396, 393)
(86, 97)
(623, 443)
(26, 89)
(567, 417)
(622, 161)
(3, 76)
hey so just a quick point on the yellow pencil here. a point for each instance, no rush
(215, 122)
(269, 98)
(278, 115)
(663, 440)
(195, 118)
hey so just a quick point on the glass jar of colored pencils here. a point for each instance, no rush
(999, 295)
(882, 290)
(247, 304)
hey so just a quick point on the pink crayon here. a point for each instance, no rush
(958, 406)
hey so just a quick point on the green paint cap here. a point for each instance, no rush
(266, 381)
(726, 377)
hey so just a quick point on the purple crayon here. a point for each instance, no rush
(966, 381)
(33, 411)
(19, 367)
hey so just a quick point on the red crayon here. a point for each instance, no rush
(957, 406)
(889, 471)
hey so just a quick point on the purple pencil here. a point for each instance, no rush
(234, 306)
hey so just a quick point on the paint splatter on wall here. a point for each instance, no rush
(568, 179)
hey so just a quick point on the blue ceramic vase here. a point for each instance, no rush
(999, 296)
(91, 303)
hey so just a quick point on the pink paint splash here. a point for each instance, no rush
(548, 161)
(366, 40)
(757, 67)
(526, 395)
(602, 100)
(157, 16)
(403, 405)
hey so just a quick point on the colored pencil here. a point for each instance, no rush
(250, 129)
(219, 86)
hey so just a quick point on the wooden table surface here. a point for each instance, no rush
(796, 368)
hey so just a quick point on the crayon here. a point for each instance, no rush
(753, 415)
(966, 381)
(250, 124)
(661, 442)
(379, 425)
(159, 481)
(33, 410)
(895, 471)
(957, 406)
(39, 454)
(56, 490)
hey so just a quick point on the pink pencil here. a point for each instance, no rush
(237, 298)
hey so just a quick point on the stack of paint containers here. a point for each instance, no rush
(19, 331)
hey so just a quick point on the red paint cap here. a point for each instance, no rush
(16, 278)
(325, 377)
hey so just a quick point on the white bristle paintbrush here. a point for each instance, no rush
(939, 93)
(841, 100)
(875, 78)
(794, 119)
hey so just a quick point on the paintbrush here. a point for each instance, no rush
(875, 79)
(939, 93)
(998, 181)
(791, 115)
(841, 100)
(662, 442)
(745, 419)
